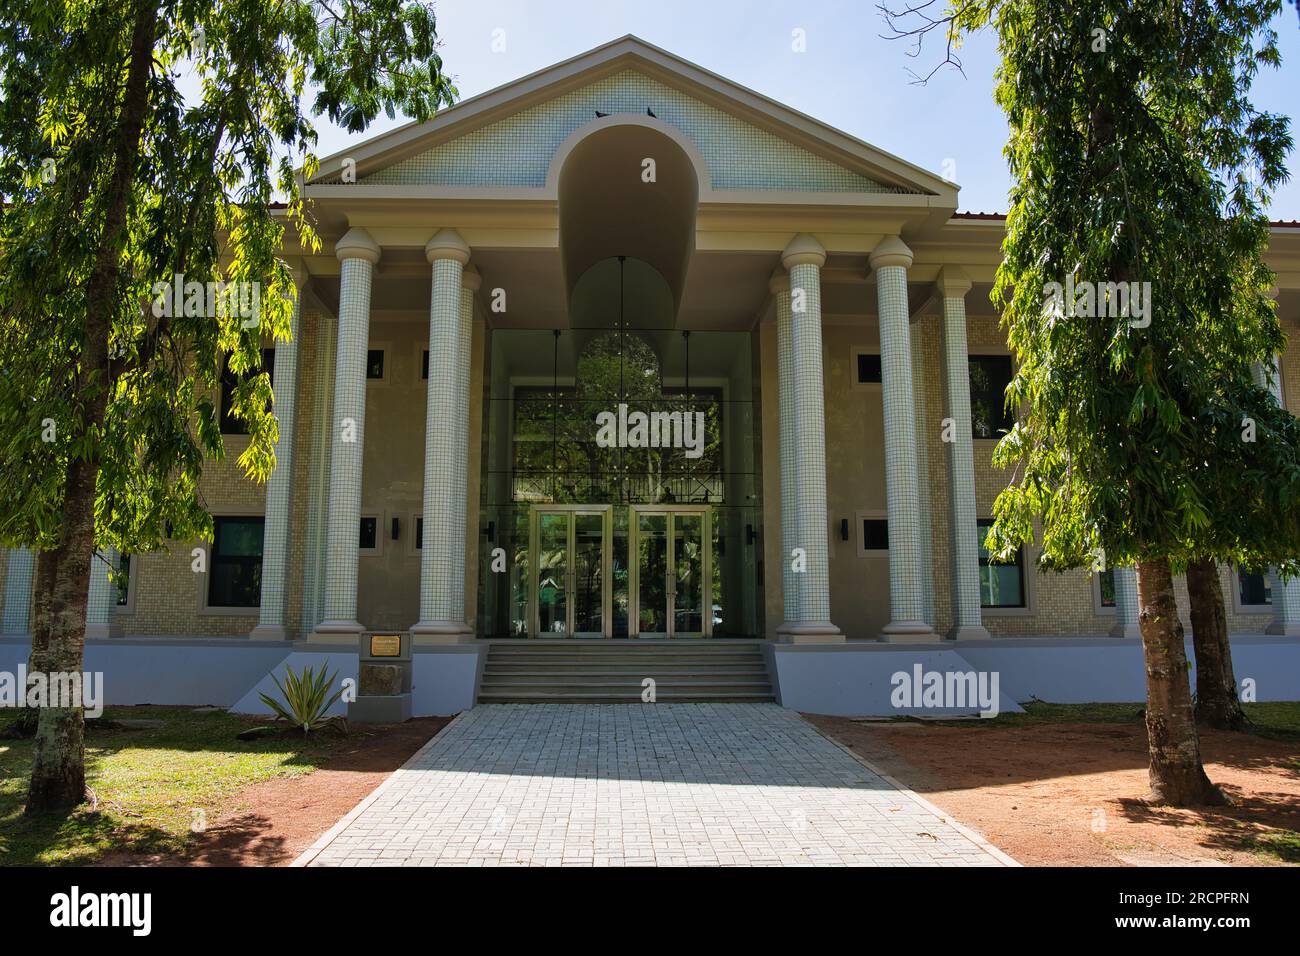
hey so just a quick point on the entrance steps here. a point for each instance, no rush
(612, 671)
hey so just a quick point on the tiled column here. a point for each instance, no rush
(101, 600)
(446, 443)
(358, 253)
(780, 287)
(951, 287)
(279, 489)
(18, 591)
(1286, 594)
(1126, 604)
(890, 261)
(804, 257)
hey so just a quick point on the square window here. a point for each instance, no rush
(375, 364)
(230, 425)
(989, 377)
(235, 567)
(875, 534)
(1002, 584)
(1254, 590)
(869, 372)
(369, 534)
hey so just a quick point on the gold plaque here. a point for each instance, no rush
(385, 645)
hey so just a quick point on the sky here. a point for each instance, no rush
(849, 76)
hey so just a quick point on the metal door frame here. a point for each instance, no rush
(670, 584)
(606, 513)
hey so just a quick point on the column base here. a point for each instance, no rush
(1284, 629)
(908, 632)
(336, 632)
(268, 632)
(826, 633)
(968, 632)
(442, 632)
(99, 631)
(1130, 631)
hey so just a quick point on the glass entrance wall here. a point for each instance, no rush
(621, 417)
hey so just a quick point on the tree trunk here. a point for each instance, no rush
(59, 628)
(1217, 705)
(1176, 775)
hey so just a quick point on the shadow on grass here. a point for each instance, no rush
(149, 784)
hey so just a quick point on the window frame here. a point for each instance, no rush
(860, 534)
(223, 411)
(1009, 419)
(1237, 606)
(855, 384)
(1098, 607)
(387, 349)
(206, 607)
(378, 549)
(1025, 607)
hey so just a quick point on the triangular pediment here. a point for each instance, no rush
(509, 138)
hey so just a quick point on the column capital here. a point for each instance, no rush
(891, 251)
(803, 249)
(357, 244)
(778, 282)
(470, 280)
(952, 283)
(447, 244)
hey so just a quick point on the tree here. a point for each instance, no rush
(1134, 296)
(113, 183)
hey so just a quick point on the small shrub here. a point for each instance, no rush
(306, 700)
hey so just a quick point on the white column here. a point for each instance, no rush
(279, 488)
(780, 288)
(804, 257)
(101, 599)
(18, 591)
(951, 287)
(890, 260)
(1285, 594)
(446, 442)
(358, 254)
(1126, 604)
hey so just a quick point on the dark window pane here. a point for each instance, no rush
(230, 425)
(369, 533)
(235, 572)
(868, 368)
(424, 364)
(989, 377)
(1254, 588)
(1002, 584)
(375, 363)
(875, 534)
(123, 579)
(419, 533)
(1106, 581)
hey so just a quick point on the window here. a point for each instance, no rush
(1106, 587)
(419, 533)
(375, 364)
(1253, 589)
(424, 365)
(230, 425)
(235, 569)
(875, 534)
(123, 580)
(989, 377)
(869, 372)
(1001, 584)
(369, 538)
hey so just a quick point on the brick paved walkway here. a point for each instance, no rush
(641, 784)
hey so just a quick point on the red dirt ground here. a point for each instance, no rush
(1072, 794)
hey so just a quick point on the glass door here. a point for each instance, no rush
(571, 584)
(671, 567)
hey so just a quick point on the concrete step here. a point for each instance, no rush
(616, 669)
(662, 697)
(613, 686)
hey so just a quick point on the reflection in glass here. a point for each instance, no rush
(652, 597)
(589, 578)
(552, 574)
(688, 565)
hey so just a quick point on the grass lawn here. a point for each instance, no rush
(151, 786)
(1277, 720)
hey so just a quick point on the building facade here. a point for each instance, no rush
(622, 350)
